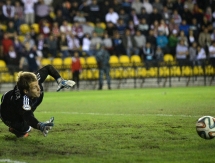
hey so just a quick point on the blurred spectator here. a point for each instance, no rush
(63, 46)
(41, 45)
(19, 10)
(79, 17)
(29, 11)
(94, 11)
(204, 39)
(197, 13)
(151, 39)
(148, 55)
(169, 4)
(184, 27)
(140, 41)
(189, 5)
(129, 43)
(163, 27)
(208, 13)
(111, 16)
(29, 39)
(73, 43)
(126, 5)
(158, 5)
(56, 30)
(191, 37)
(147, 6)
(155, 26)
(87, 28)
(162, 41)
(182, 54)
(213, 35)
(187, 15)
(45, 28)
(76, 69)
(110, 28)
(102, 58)
(124, 16)
(177, 18)
(64, 7)
(107, 43)
(95, 40)
(192, 53)
(6, 42)
(183, 37)
(52, 46)
(30, 56)
(212, 54)
(65, 28)
(131, 27)
(137, 5)
(8, 10)
(166, 15)
(143, 27)
(73, 10)
(116, 6)
(144, 14)
(84, 7)
(121, 26)
(42, 11)
(155, 16)
(18, 46)
(159, 55)
(195, 27)
(206, 24)
(134, 18)
(11, 30)
(12, 60)
(179, 6)
(201, 56)
(77, 30)
(33, 33)
(173, 41)
(173, 26)
(118, 44)
(59, 17)
(86, 44)
(105, 7)
(98, 29)
(17, 23)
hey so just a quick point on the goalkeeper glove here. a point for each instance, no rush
(65, 84)
(45, 127)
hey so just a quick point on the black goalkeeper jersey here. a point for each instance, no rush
(17, 107)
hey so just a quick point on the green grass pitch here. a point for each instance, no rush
(149, 125)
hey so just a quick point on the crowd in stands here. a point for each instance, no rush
(149, 28)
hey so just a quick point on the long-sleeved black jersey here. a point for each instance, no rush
(17, 107)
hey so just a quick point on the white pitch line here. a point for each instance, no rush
(10, 161)
(116, 114)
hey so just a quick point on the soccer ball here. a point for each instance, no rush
(205, 127)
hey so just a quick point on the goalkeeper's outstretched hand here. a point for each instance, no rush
(65, 84)
(44, 127)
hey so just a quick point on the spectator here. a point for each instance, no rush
(166, 15)
(77, 30)
(45, 28)
(8, 10)
(131, 27)
(65, 11)
(19, 10)
(147, 6)
(12, 60)
(52, 46)
(155, 16)
(183, 37)
(187, 15)
(110, 28)
(73, 43)
(158, 5)
(42, 11)
(79, 17)
(184, 27)
(63, 46)
(195, 27)
(137, 5)
(11, 30)
(84, 7)
(189, 5)
(126, 5)
(143, 27)
(134, 18)
(29, 39)
(182, 54)
(169, 4)
(159, 54)
(197, 13)
(173, 41)
(140, 41)
(162, 41)
(105, 6)
(213, 35)
(121, 27)
(177, 18)
(212, 54)
(192, 53)
(17, 23)
(129, 43)
(102, 58)
(87, 28)
(41, 45)
(59, 18)
(144, 15)
(94, 11)
(18, 46)
(204, 39)
(124, 16)
(111, 16)
(86, 45)
(173, 26)
(33, 33)
(116, 6)
(148, 55)
(29, 11)
(107, 43)
(201, 57)
(206, 24)
(191, 37)
(151, 39)
(155, 26)
(6, 42)
(163, 27)
(56, 30)
(76, 69)
(98, 29)
(118, 44)
(65, 28)
(179, 6)
(31, 57)
(95, 40)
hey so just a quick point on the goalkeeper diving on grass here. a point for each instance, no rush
(18, 105)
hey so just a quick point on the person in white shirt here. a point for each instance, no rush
(147, 6)
(8, 10)
(111, 16)
(86, 44)
(65, 27)
(73, 43)
(29, 11)
(201, 57)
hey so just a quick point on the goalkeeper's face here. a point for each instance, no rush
(34, 90)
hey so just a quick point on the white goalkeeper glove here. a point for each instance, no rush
(44, 127)
(65, 84)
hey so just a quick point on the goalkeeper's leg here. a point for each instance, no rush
(20, 129)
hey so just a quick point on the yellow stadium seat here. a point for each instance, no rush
(114, 61)
(67, 61)
(124, 60)
(103, 25)
(91, 62)
(21, 38)
(24, 28)
(57, 62)
(45, 61)
(168, 58)
(36, 27)
(3, 27)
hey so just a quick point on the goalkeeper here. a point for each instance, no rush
(18, 105)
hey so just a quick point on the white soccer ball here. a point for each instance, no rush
(205, 127)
